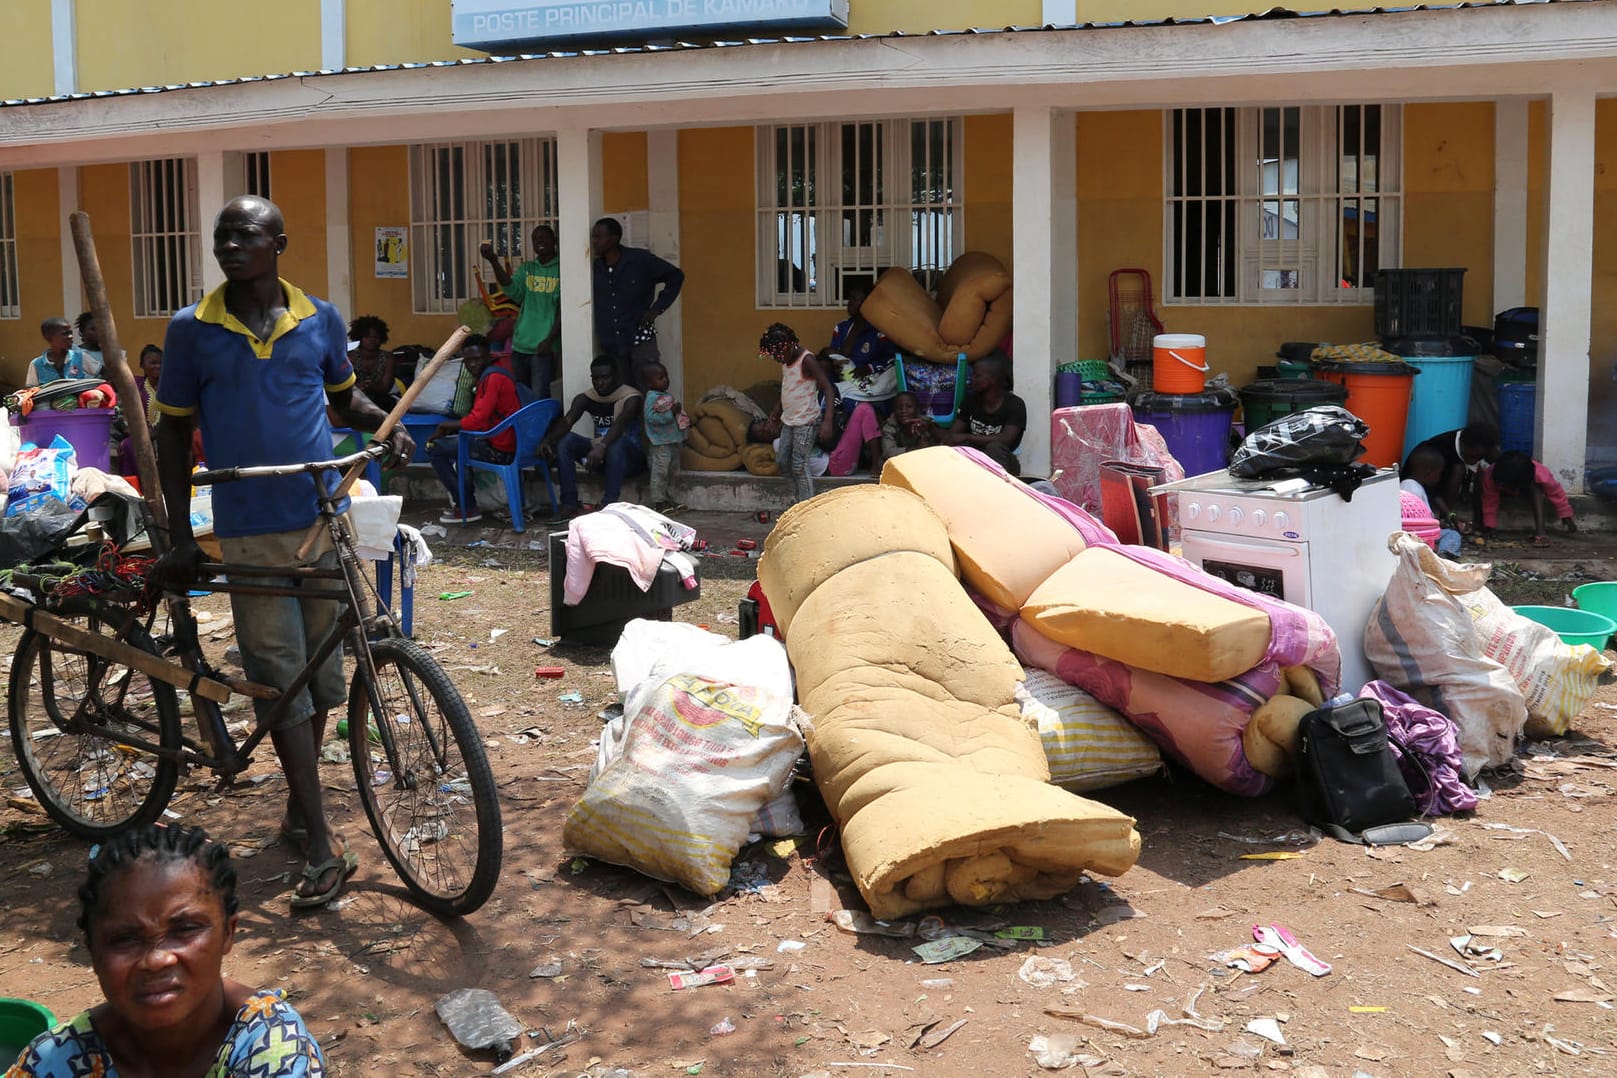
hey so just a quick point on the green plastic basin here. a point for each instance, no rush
(1572, 626)
(21, 1020)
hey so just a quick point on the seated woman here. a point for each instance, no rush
(158, 911)
(869, 440)
(373, 365)
(856, 340)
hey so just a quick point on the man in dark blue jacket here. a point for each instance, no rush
(627, 300)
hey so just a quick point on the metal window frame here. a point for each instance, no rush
(165, 242)
(10, 284)
(1320, 195)
(456, 204)
(256, 170)
(847, 239)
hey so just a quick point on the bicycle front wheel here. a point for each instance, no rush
(424, 778)
(72, 715)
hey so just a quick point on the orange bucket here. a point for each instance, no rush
(1379, 394)
(1179, 363)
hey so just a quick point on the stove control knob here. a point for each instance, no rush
(1282, 522)
(1212, 514)
(1259, 518)
(1236, 516)
(1193, 511)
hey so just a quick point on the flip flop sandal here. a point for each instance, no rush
(345, 863)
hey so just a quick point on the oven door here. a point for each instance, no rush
(1268, 566)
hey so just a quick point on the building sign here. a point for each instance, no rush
(504, 25)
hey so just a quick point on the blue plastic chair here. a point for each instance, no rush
(530, 422)
(929, 405)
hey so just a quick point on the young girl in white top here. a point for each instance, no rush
(806, 403)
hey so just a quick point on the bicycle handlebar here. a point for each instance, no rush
(375, 450)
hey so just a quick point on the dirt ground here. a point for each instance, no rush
(1531, 873)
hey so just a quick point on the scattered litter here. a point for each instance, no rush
(1043, 972)
(478, 543)
(1498, 931)
(1272, 855)
(710, 975)
(1367, 1010)
(1398, 892)
(334, 752)
(861, 923)
(495, 634)
(1033, 933)
(534, 1053)
(1457, 967)
(550, 672)
(477, 1021)
(946, 949)
(1547, 914)
(1058, 1051)
(433, 531)
(1279, 937)
(1440, 836)
(40, 870)
(451, 596)
(1217, 913)
(937, 1036)
(1467, 947)
(790, 946)
(571, 698)
(1571, 1048)
(1582, 995)
(722, 1028)
(1250, 958)
(1136, 988)
(1306, 836)
(1267, 1028)
(1560, 847)
(1492, 1038)
(548, 970)
(938, 983)
(1513, 875)
(1133, 1032)
(544, 641)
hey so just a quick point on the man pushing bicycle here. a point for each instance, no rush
(255, 364)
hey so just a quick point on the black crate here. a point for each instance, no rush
(1419, 302)
(612, 601)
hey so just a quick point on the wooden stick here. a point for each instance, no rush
(14, 609)
(116, 364)
(411, 392)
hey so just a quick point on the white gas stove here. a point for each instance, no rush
(1297, 542)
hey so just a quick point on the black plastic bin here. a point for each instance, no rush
(612, 601)
(1419, 302)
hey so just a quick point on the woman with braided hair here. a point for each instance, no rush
(158, 911)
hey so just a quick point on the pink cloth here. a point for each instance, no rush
(629, 536)
(1554, 493)
(1418, 519)
(863, 426)
(1082, 438)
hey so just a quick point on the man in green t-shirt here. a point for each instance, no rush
(535, 288)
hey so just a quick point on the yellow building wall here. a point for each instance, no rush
(26, 65)
(39, 271)
(624, 187)
(1448, 199)
(386, 204)
(124, 43)
(987, 185)
(919, 16)
(298, 186)
(104, 195)
(397, 31)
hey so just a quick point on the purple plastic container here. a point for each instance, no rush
(1196, 426)
(89, 430)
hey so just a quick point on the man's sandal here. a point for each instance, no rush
(344, 863)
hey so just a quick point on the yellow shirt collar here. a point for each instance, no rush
(298, 307)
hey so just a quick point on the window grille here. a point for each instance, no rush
(257, 166)
(165, 242)
(10, 288)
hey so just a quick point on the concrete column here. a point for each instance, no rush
(67, 201)
(333, 34)
(662, 183)
(1509, 203)
(64, 47)
(578, 174)
(1044, 229)
(339, 233)
(1563, 380)
(213, 191)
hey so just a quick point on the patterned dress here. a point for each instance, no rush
(267, 1040)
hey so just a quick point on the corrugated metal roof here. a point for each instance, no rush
(1270, 14)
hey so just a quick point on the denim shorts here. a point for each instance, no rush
(277, 633)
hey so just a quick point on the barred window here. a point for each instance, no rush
(841, 201)
(257, 167)
(10, 290)
(165, 242)
(463, 193)
(1281, 205)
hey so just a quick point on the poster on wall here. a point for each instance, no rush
(392, 252)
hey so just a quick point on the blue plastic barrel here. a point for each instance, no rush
(1517, 403)
(1442, 397)
(1069, 389)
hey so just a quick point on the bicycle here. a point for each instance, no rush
(101, 743)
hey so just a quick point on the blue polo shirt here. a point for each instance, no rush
(258, 402)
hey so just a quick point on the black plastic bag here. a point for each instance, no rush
(1326, 435)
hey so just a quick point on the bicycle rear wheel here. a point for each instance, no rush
(69, 710)
(424, 779)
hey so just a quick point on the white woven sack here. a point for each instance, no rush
(1421, 639)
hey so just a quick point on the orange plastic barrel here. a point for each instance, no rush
(1179, 363)
(1379, 394)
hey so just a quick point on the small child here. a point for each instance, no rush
(60, 359)
(666, 423)
(905, 429)
(806, 404)
(1423, 471)
(1519, 475)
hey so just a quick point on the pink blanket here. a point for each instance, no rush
(630, 536)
